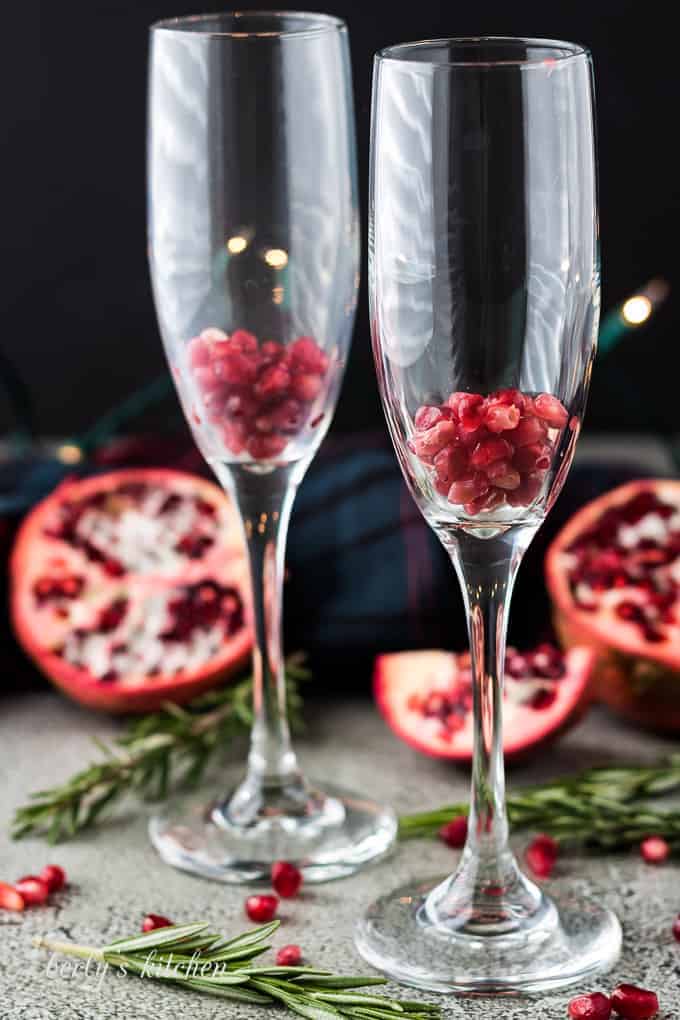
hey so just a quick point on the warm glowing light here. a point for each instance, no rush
(237, 244)
(277, 295)
(277, 258)
(637, 309)
(69, 453)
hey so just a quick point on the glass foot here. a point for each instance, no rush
(327, 835)
(563, 942)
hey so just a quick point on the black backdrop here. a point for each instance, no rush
(77, 317)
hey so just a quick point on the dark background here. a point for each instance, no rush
(77, 315)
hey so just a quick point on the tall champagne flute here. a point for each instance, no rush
(484, 281)
(254, 253)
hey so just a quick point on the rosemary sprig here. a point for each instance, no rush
(223, 967)
(171, 746)
(602, 807)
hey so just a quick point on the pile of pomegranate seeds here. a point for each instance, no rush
(153, 921)
(32, 890)
(628, 563)
(626, 1001)
(654, 849)
(486, 452)
(259, 394)
(454, 833)
(289, 956)
(541, 855)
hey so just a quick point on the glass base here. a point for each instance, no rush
(327, 835)
(563, 942)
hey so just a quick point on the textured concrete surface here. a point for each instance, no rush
(116, 877)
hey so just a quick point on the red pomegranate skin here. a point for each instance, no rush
(636, 635)
(76, 594)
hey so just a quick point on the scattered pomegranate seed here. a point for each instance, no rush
(32, 890)
(654, 849)
(261, 908)
(53, 876)
(286, 879)
(541, 855)
(594, 1006)
(10, 899)
(153, 921)
(676, 929)
(289, 956)
(454, 833)
(634, 1003)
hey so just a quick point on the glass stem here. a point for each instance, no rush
(265, 503)
(488, 890)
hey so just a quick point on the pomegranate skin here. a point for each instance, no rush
(594, 1006)
(636, 678)
(634, 1003)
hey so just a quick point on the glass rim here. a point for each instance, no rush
(319, 24)
(558, 51)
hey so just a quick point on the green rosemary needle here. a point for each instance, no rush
(170, 954)
(602, 807)
(171, 746)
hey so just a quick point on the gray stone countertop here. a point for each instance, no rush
(116, 877)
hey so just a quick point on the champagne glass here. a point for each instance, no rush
(484, 282)
(254, 253)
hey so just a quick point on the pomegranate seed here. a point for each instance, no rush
(503, 474)
(242, 340)
(32, 890)
(450, 465)
(153, 921)
(199, 351)
(10, 899)
(213, 334)
(306, 387)
(53, 876)
(594, 1006)
(541, 855)
(471, 408)
(529, 430)
(654, 849)
(273, 382)
(305, 354)
(467, 489)
(676, 929)
(289, 956)
(286, 879)
(454, 833)
(510, 397)
(235, 368)
(552, 410)
(261, 908)
(489, 450)
(427, 445)
(264, 447)
(426, 417)
(500, 417)
(634, 1003)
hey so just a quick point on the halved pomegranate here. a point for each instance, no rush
(129, 588)
(426, 698)
(613, 573)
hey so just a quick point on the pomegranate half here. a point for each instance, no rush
(426, 698)
(130, 588)
(613, 574)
